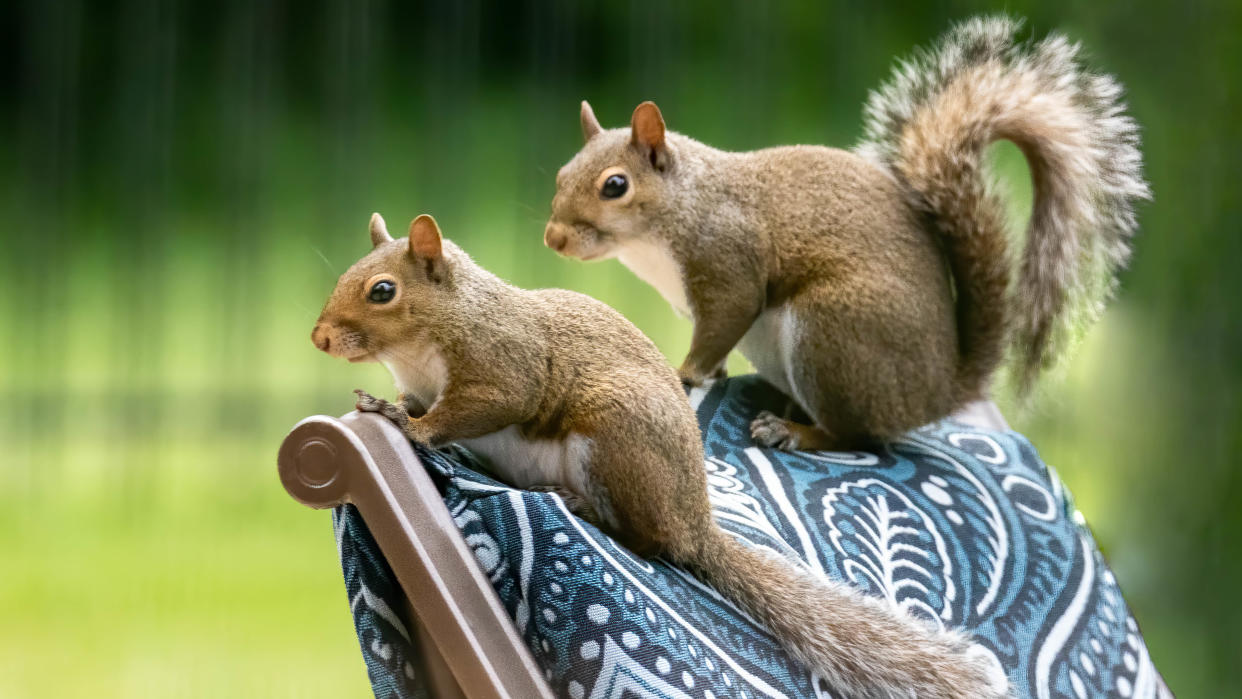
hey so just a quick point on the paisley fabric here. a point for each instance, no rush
(380, 613)
(958, 526)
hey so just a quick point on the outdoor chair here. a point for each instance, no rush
(462, 586)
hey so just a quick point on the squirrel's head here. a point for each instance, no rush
(606, 194)
(383, 299)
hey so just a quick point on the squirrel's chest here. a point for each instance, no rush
(654, 263)
(420, 373)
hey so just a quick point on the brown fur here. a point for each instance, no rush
(820, 229)
(556, 363)
(930, 124)
(891, 262)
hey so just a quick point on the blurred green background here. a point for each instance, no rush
(181, 183)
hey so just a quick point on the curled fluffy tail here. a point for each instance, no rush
(859, 645)
(930, 124)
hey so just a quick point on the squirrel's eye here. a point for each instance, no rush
(614, 187)
(382, 292)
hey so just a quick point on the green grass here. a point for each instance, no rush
(210, 594)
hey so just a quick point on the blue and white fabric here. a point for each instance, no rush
(960, 526)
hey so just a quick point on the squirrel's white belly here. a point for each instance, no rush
(523, 462)
(418, 372)
(654, 263)
(769, 346)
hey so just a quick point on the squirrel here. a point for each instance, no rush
(561, 393)
(872, 286)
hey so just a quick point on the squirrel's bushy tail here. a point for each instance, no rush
(858, 644)
(929, 125)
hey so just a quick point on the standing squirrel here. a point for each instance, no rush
(873, 286)
(561, 393)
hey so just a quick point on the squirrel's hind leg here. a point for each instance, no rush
(863, 376)
(575, 503)
(770, 430)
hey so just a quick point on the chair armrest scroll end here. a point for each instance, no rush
(315, 461)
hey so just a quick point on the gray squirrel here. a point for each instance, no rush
(561, 393)
(873, 286)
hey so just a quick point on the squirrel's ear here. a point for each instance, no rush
(425, 238)
(647, 133)
(590, 125)
(379, 231)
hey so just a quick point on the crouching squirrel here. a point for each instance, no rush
(560, 392)
(873, 286)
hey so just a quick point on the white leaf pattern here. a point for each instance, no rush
(891, 547)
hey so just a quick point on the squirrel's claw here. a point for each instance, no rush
(768, 430)
(368, 403)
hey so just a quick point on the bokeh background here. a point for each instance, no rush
(181, 183)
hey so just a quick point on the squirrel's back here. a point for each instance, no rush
(602, 361)
(583, 326)
(832, 212)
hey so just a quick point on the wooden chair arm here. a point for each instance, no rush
(365, 460)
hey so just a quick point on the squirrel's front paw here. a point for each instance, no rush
(368, 403)
(414, 429)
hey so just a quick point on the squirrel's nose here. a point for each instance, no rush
(554, 237)
(320, 337)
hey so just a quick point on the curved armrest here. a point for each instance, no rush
(365, 460)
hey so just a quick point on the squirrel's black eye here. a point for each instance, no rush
(382, 292)
(614, 187)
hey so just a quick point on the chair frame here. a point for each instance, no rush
(470, 644)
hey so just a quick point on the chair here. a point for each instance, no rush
(462, 586)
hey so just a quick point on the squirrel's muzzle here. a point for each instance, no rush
(343, 341)
(322, 337)
(555, 236)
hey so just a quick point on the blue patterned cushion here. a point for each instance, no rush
(960, 526)
(391, 652)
